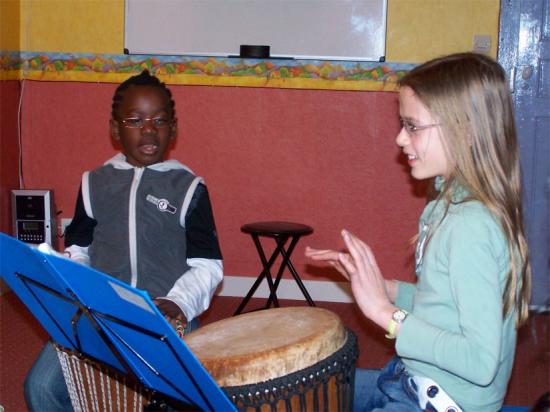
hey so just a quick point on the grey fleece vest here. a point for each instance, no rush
(139, 237)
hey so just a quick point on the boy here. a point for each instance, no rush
(142, 219)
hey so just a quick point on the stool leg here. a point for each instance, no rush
(280, 248)
(265, 273)
(286, 256)
(244, 302)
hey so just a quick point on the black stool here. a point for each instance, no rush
(281, 232)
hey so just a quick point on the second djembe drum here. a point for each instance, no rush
(283, 359)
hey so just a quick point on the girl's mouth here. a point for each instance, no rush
(412, 159)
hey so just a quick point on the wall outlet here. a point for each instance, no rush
(482, 44)
(64, 223)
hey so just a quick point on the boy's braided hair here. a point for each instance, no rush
(142, 79)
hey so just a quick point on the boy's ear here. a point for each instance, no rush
(113, 128)
(174, 129)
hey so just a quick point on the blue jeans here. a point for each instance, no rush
(45, 388)
(387, 389)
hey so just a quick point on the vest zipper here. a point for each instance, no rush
(132, 224)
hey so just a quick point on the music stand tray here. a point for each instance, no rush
(91, 313)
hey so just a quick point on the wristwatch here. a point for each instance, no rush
(397, 318)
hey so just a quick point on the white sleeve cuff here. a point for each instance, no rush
(78, 254)
(194, 290)
(48, 250)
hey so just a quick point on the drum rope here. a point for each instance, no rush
(325, 394)
(69, 378)
(117, 393)
(124, 398)
(94, 387)
(316, 406)
(288, 405)
(91, 384)
(79, 384)
(303, 403)
(136, 400)
(102, 385)
(109, 394)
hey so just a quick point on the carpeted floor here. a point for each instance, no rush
(21, 338)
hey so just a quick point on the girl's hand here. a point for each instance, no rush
(329, 256)
(372, 292)
(367, 283)
(332, 257)
(172, 313)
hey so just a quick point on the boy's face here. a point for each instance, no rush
(144, 125)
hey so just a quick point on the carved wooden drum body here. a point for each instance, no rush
(283, 359)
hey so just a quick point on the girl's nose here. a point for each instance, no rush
(402, 138)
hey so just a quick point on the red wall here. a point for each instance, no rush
(9, 150)
(324, 158)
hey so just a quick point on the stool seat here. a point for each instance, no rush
(273, 229)
(281, 232)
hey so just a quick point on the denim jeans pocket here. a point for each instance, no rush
(396, 384)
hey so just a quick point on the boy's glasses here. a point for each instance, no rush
(412, 128)
(138, 122)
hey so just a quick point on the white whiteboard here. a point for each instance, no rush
(301, 29)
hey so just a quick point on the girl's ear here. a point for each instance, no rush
(174, 129)
(113, 128)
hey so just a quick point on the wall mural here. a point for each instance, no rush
(210, 71)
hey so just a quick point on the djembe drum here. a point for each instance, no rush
(284, 359)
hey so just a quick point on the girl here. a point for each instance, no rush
(455, 329)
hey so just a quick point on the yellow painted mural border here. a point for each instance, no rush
(209, 71)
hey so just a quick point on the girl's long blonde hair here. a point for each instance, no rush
(468, 95)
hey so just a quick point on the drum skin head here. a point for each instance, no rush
(262, 345)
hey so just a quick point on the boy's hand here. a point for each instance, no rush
(172, 314)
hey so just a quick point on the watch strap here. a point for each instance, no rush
(392, 325)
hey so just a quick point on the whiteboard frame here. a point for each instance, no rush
(145, 13)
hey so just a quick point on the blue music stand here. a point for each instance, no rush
(91, 313)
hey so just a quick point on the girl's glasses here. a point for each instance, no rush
(138, 122)
(412, 128)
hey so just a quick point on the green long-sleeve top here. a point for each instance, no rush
(455, 333)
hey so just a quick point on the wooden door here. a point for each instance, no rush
(524, 51)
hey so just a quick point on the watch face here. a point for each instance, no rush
(399, 316)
